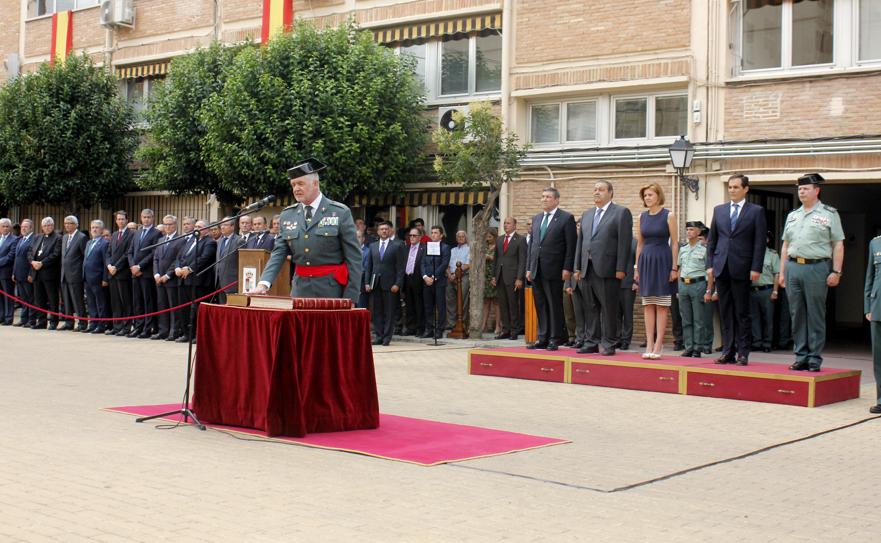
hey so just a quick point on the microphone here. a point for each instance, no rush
(260, 203)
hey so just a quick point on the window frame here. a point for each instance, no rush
(855, 38)
(651, 100)
(53, 11)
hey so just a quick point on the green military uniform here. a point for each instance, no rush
(760, 303)
(872, 304)
(811, 236)
(692, 285)
(327, 239)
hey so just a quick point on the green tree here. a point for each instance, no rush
(333, 94)
(66, 137)
(479, 155)
(173, 150)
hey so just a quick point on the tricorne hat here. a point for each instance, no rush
(312, 165)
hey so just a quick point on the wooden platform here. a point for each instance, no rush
(758, 382)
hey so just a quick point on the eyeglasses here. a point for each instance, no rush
(414, 235)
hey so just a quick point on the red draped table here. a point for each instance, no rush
(285, 372)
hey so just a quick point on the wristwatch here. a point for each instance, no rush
(837, 272)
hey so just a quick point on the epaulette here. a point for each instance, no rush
(876, 237)
(829, 208)
(294, 206)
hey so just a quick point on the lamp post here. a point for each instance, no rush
(681, 155)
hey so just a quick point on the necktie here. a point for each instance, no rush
(734, 215)
(505, 246)
(2, 240)
(308, 213)
(90, 247)
(544, 225)
(192, 245)
(223, 247)
(119, 237)
(143, 233)
(381, 249)
(596, 221)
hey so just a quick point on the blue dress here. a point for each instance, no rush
(656, 259)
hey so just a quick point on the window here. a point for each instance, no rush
(38, 8)
(137, 94)
(650, 117)
(458, 66)
(869, 30)
(630, 118)
(471, 65)
(784, 34)
(671, 116)
(566, 122)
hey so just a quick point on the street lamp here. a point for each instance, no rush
(681, 155)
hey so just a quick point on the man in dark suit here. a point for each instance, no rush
(509, 273)
(96, 277)
(24, 289)
(414, 305)
(73, 248)
(227, 269)
(8, 245)
(550, 264)
(193, 258)
(385, 278)
(166, 281)
(143, 283)
(625, 301)
(600, 266)
(735, 255)
(434, 275)
(45, 257)
(260, 237)
(120, 274)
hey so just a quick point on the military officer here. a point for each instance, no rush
(320, 235)
(763, 294)
(872, 309)
(710, 300)
(692, 285)
(813, 250)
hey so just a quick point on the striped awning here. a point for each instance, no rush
(142, 70)
(436, 29)
(424, 198)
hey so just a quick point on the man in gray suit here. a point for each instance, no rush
(509, 273)
(73, 250)
(227, 269)
(319, 234)
(601, 256)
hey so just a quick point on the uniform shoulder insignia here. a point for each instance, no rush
(773, 250)
(291, 207)
(830, 208)
(876, 237)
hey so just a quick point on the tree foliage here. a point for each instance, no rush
(173, 151)
(479, 155)
(66, 137)
(244, 119)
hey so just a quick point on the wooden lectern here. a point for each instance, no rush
(251, 264)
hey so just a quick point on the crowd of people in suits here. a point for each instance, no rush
(121, 281)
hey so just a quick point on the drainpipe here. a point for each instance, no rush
(507, 45)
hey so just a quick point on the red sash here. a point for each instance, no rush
(340, 272)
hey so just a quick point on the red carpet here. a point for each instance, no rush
(418, 441)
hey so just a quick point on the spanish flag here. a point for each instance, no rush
(278, 16)
(62, 36)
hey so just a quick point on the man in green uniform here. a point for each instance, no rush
(813, 250)
(692, 285)
(319, 234)
(763, 294)
(711, 298)
(872, 309)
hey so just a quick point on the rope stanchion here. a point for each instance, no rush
(112, 319)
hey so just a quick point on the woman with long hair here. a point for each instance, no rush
(656, 271)
(490, 306)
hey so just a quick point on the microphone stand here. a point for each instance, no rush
(185, 410)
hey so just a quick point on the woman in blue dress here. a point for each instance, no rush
(656, 271)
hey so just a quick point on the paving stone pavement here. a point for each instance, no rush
(71, 472)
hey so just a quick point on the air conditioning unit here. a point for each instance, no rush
(117, 13)
(445, 116)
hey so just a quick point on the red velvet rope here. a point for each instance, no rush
(110, 319)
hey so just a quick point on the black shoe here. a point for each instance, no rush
(578, 344)
(513, 337)
(19, 324)
(4, 323)
(66, 327)
(111, 332)
(799, 366)
(687, 354)
(85, 330)
(815, 369)
(503, 335)
(182, 339)
(624, 346)
(386, 343)
(157, 336)
(172, 337)
(569, 343)
(589, 349)
(875, 409)
(724, 360)
(642, 345)
(608, 352)
(742, 361)
(146, 335)
(708, 351)
(377, 342)
(53, 326)
(695, 354)
(552, 346)
(99, 330)
(133, 333)
(426, 335)
(538, 345)
(719, 349)
(678, 346)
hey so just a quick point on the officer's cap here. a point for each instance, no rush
(312, 165)
(695, 224)
(811, 179)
